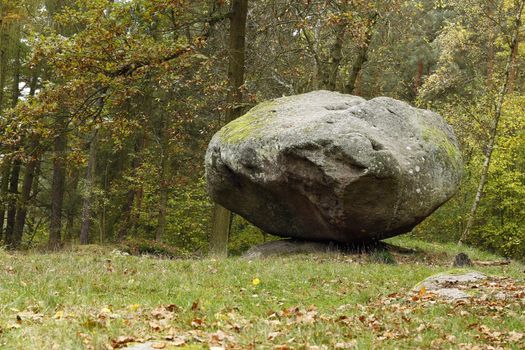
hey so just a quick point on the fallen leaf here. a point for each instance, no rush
(178, 341)
(121, 341)
(348, 345)
(197, 322)
(281, 347)
(134, 307)
(273, 335)
(515, 336)
(29, 316)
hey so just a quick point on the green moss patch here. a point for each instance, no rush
(438, 137)
(249, 125)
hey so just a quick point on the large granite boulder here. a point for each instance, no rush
(328, 166)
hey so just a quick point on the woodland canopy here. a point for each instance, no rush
(107, 106)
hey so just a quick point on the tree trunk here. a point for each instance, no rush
(29, 176)
(362, 57)
(126, 209)
(11, 206)
(58, 184)
(514, 66)
(336, 56)
(490, 43)
(419, 77)
(494, 129)
(15, 171)
(88, 197)
(129, 219)
(16, 72)
(236, 69)
(25, 195)
(163, 181)
(71, 201)
(4, 45)
(163, 208)
(6, 166)
(4, 187)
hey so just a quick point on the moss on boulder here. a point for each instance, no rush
(331, 167)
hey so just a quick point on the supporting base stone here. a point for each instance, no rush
(292, 246)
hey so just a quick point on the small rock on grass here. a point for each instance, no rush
(462, 260)
(448, 286)
(147, 346)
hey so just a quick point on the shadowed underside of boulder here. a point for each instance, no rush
(328, 166)
(285, 247)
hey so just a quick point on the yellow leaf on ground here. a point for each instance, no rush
(134, 307)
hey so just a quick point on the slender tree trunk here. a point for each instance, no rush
(490, 43)
(16, 72)
(4, 45)
(71, 200)
(362, 57)
(15, 171)
(136, 211)
(88, 197)
(221, 220)
(336, 55)
(514, 66)
(25, 196)
(494, 129)
(163, 182)
(11, 206)
(163, 208)
(129, 219)
(4, 187)
(58, 184)
(29, 176)
(126, 209)
(419, 77)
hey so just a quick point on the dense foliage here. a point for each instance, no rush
(107, 106)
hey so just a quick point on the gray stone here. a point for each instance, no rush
(462, 260)
(448, 286)
(141, 346)
(328, 166)
(451, 293)
(438, 281)
(290, 247)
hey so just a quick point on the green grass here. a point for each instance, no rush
(86, 297)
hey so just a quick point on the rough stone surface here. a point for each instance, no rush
(462, 260)
(328, 166)
(290, 247)
(142, 346)
(448, 286)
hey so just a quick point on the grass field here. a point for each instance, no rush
(98, 298)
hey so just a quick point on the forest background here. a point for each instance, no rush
(107, 107)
